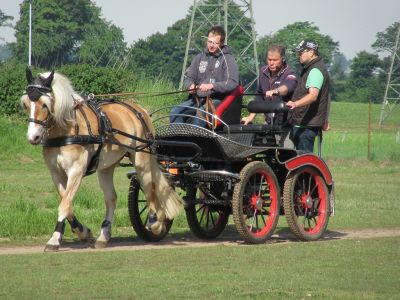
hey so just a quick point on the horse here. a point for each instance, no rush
(80, 137)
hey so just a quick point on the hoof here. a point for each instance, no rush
(89, 237)
(100, 244)
(158, 228)
(51, 248)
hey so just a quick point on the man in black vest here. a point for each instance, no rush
(310, 103)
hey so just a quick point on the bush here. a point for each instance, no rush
(87, 79)
(12, 86)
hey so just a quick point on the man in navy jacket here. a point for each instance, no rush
(277, 82)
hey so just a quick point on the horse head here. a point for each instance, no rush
(48, 97)
(38, 102)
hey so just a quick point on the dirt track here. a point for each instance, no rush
(179, 241)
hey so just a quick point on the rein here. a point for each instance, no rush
(145, 94)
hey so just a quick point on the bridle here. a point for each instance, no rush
(34, 92)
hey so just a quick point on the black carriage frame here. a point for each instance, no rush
(238, 170)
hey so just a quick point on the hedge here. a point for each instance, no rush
(85, 79)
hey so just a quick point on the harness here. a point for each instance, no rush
(106, 132)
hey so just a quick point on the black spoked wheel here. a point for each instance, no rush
(139, 214)
(206, 221)
(256, 202)
(306, 203)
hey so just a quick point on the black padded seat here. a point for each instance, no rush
(251, 128)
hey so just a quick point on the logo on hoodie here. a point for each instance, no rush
(203, 66)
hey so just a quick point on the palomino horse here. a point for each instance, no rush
(79, 137)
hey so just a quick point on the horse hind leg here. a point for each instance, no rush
(83, 232)
(110, 197)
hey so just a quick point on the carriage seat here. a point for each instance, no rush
(229, 110)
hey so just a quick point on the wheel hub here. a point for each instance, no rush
(257, 202)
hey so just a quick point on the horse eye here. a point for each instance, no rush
(44, 106)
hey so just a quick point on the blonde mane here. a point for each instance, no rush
(64, 99)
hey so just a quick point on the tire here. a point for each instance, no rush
(256, 202)
(306, 203)
(139, 214)
(205, 221)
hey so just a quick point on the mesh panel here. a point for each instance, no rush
(238, 146)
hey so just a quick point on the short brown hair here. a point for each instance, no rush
(217, 30)
(277, 48)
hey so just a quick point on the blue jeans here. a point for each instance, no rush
(303, 138)
(181, 114)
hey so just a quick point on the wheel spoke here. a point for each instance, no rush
(144, 208)
(260, 187)
(315, 186)
(202, 214)
(212, 218)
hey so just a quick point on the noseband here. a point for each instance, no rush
(35, 91)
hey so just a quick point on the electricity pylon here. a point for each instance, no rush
(392, 92)
(205, 14)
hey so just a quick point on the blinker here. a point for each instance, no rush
(36, 91)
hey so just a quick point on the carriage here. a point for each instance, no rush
(241, 170)
(224, 169)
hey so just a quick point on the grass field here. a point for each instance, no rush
(367, 193)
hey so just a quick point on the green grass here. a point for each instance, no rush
(366, 197)
(365, 190)
(347, 269)
(349, 135)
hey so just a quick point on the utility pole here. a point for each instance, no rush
(392, 92)
(30, 35)
(205, 14)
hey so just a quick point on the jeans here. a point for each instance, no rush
(181, 114)
(303, 138)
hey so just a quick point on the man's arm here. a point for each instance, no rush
(191, 73)
(314, 83)
(288, 85)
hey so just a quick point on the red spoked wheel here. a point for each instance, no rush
(256, 202)
(306, 203)
(139, 214)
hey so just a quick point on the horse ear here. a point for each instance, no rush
(47, 81)
(29, 76)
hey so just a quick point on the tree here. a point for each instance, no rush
(365, 79)
(338, 76)
(291, 35)
(62, 32)
(4, 21)
(386, 40)
(162, 54)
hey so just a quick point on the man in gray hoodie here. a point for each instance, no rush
(212, 73)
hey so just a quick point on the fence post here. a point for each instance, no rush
(369, 129)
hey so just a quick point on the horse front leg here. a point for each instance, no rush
(67, 187)
(110, 198)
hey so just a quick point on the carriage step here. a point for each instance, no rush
(214, 175)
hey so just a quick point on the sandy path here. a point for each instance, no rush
(172, 241)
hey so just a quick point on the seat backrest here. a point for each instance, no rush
(230, 108)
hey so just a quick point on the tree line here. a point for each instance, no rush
(73, 35)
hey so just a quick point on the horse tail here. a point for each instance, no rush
(166, 196)
(156, 187)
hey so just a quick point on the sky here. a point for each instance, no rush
(352, 23)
